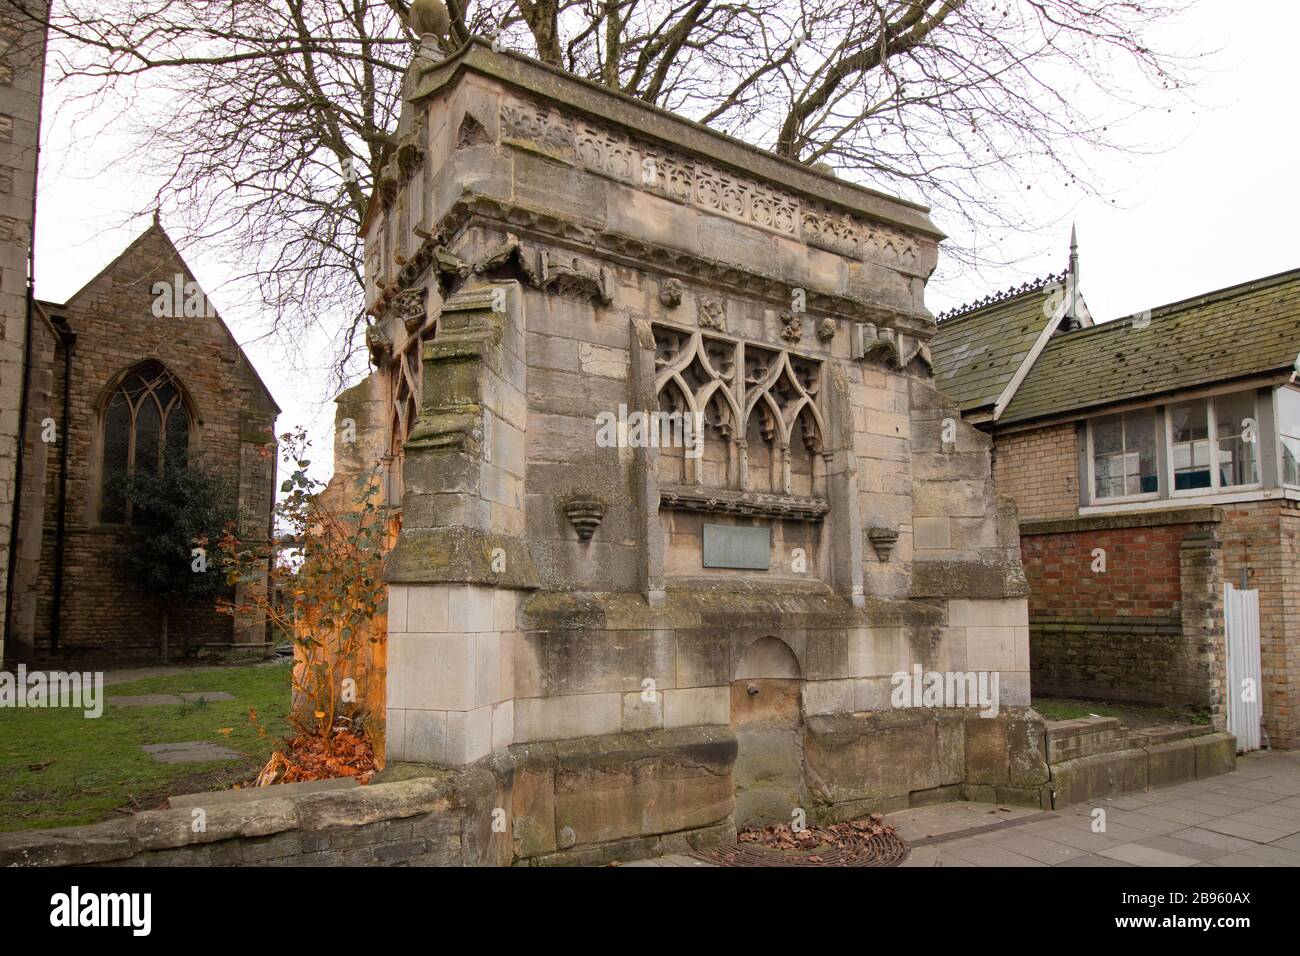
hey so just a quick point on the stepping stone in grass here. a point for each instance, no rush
(144, 700)
(160, 700)
(190, 751)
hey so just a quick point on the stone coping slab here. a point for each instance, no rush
(1142, 519)
(121, 839)
(225, 798)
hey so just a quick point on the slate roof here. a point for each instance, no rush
(1244, 330)
(979, 348)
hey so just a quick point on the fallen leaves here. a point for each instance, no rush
(308, 757)
(841, 836)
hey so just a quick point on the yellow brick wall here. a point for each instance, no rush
(1040, 470)
(1264, 538)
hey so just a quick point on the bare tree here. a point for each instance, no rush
(272, 114)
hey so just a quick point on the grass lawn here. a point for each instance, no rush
(58, 768)
(1133, 716)
(1054, 709)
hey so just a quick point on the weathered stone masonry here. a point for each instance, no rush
(22, 74)
(541, 251)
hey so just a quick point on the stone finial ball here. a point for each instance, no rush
(429, 16)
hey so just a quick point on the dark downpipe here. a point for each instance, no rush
(69, 339)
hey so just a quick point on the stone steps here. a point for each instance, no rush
(1093, 757)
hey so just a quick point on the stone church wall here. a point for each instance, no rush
(112, 318)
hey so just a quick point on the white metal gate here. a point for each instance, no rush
(1241, 623)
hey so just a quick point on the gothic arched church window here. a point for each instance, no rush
(146, 426)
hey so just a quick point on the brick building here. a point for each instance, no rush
(131, 370)
(1166, 442)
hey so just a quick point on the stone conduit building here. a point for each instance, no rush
(653, 642)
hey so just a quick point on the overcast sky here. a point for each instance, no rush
(1217, 206)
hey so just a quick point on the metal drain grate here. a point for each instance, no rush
(882, 849)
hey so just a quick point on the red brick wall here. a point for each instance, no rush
(1141, 577)
(1127, 633)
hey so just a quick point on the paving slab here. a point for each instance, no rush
(1139, 820)
(1092, 859)
(190, 751)
(1140, 855)
(1184, 848)
(1219, 841)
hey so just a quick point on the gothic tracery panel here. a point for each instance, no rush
(763, 425)
(406, 388)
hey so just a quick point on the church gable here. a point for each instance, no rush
(153, 298)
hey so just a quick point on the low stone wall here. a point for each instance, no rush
(885, 761)
(438, 819)
(622, 796)
(629, 796)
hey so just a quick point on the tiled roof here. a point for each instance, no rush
(1249, 329)
(979, 348)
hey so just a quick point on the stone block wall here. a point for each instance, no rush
(429, 820)
(22, 75)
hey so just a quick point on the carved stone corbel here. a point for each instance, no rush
(509, 255)
(712, 314)
(791, 326)
(410, 306)
(576, 276)
(585, 514)
(670, 293)
(883, 541)
(379, 345)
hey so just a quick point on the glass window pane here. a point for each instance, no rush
(1288, 412)
(1290, 460)
(117, 447)
(1189, 421)
(1140, 442)
(148, 425)
(1236, 427)
(1190, 450)
(178, 435)
(1288, 426)
(1107, 435)
(1124, 454)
